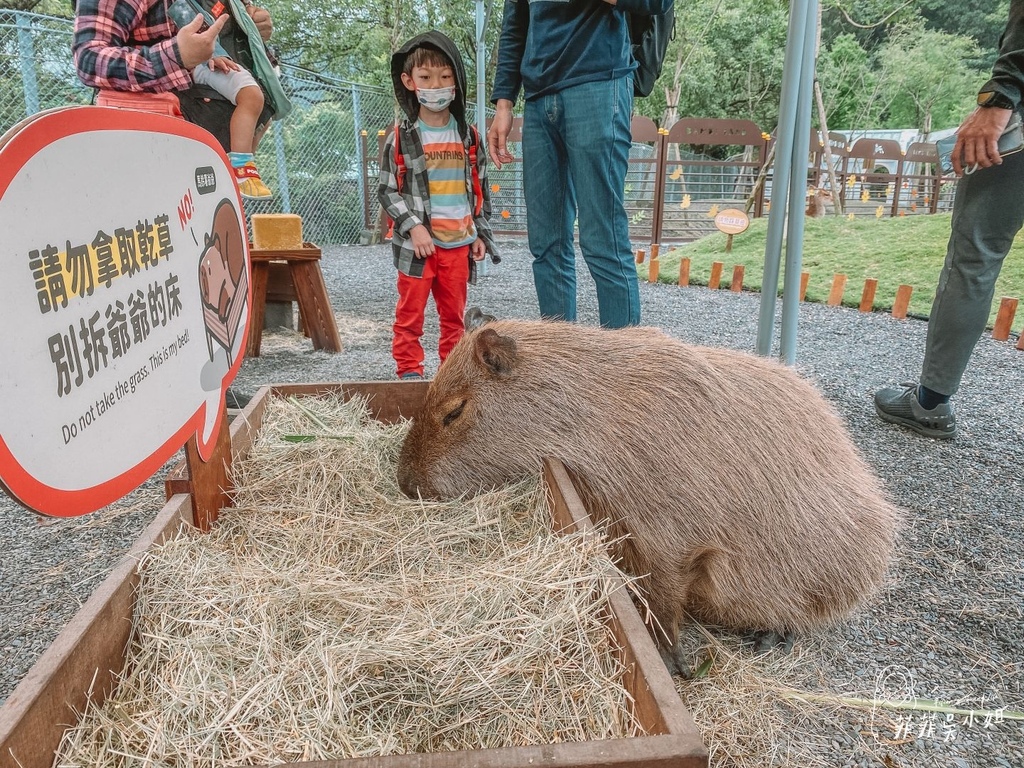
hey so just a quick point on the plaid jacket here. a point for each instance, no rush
(411, 206)
(127, 45)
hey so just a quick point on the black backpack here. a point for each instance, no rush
(650, 36)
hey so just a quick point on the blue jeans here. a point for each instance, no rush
(988, 212)
(575, 152)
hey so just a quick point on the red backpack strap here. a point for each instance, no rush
(399, 159)
(478, 190)
(399, 178)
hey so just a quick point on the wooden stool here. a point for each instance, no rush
(303, 266)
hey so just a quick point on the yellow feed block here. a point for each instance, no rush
(276, 231)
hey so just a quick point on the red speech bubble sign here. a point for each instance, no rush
(125, 286)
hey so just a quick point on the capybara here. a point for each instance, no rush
(724, 476)
(816, 199)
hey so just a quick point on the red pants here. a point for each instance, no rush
(445, 274)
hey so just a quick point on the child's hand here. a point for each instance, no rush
(422, 242)
(478, 250)
(224, 64)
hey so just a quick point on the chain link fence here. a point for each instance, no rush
(322, 161)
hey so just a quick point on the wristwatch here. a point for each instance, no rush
(994, 99)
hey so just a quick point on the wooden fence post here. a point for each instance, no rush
(716, 275)
(804, 279)
(899, 306)
(835, 296)
(640, 256)
(653, 269)
(867, 296)
(684, 272)
(1004, 319)
(736, 285)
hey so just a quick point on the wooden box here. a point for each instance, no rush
(90, 651)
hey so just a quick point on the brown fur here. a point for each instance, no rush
(816, 199)
(741, 492)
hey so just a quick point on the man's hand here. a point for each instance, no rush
(478, 250)
(196, 47)
(224, 64)
(261, 17)
(422, 242)
(497, 134)
(977, 139)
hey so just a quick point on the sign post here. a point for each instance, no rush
(731, 221)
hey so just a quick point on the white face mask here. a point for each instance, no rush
(436, 99)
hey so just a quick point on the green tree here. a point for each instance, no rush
(849, 85)
(925, 80)
(726, 61)
(355, 41)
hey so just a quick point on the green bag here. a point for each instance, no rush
(254, 55)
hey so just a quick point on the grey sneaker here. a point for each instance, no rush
(411, 376)
(899, 405)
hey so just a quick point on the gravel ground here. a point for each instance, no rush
(949, 624)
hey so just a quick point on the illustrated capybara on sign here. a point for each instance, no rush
(725, 477)
(223, 261)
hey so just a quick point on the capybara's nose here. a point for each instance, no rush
(411, 486)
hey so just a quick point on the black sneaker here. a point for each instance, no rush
(899, 405)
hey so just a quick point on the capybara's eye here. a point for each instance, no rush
(453, 414)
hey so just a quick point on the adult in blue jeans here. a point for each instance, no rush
(988, 211)
(572, 61)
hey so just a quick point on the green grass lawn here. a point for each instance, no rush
(908, 250)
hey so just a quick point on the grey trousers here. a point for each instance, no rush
(988, 211)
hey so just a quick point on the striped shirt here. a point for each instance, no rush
(451, 217)
(127, 46)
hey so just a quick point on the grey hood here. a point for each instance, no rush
(407, 99)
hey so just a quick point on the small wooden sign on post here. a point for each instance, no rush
(127, 300)
(731, 221)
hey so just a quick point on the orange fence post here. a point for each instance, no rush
(684, 272)
(640, 254)
(835, 296)
(899, 306)
(1004, 319)
(655, 250)
(804, 279)
(716, 275)
(867, 296)
(652, 270)
(737, 279)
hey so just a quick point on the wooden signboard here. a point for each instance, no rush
(124, 298)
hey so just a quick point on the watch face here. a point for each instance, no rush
(994, 99)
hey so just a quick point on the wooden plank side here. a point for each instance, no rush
(87, 653)
(643, 752)
(388, 401)
(658, 706)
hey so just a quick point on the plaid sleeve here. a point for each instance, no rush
(387, 190)
(127, 45)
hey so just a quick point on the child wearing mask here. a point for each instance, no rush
(433, 186)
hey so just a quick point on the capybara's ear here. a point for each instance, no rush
(496, 353)
(476, 318)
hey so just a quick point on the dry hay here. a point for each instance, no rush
(773, 710)
(326, 616)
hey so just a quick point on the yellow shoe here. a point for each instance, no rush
(249, 182)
